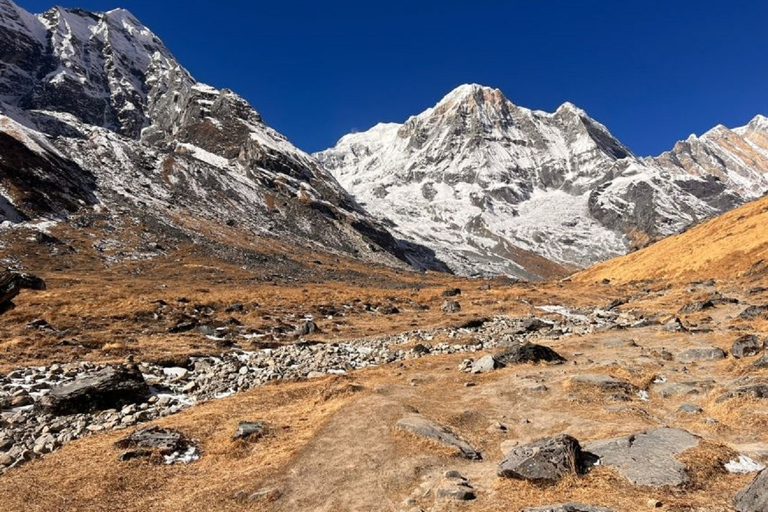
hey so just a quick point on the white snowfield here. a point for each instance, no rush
(476, 178)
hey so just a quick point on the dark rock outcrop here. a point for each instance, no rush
(547, 460)
(109, 388)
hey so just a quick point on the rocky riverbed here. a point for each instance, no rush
(29, 430)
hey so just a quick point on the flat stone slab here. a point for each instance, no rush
(602, 382)
(647, 458)
(568, 507)
(547, 460)
(423, 427)
(703, 354)
(753, 498)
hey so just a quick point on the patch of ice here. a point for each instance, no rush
(744, 465)
(191, 455)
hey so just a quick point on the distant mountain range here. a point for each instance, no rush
(493, 187)
(95, 113)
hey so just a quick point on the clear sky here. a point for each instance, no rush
(653, 71)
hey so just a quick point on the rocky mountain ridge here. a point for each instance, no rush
(95, 112)
(487, 183)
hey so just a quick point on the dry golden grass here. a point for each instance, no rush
(726, 247)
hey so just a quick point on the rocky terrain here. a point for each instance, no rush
(604, 391)
(496, 188)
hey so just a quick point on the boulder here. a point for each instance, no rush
(451, 306)
(753, 498)
(453, 292)
(701, 354)
(647, 458)
(546, 460)
(568, 507)
(745, 346)
(423, 427)
(754, 312)
(11, 284)
(755, 391)
(485, 364)
(529, 353)
(109, 388)
(153, 440)
(249, 430)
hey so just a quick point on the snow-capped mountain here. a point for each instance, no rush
(94, 110)
(493, 187)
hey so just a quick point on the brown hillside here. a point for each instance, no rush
(726, 247)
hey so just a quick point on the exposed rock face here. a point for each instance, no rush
(478, 179)
(11, 283)
(110, 388)
(95, 110)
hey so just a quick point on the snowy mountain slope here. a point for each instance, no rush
(95, 109)
(476, 175)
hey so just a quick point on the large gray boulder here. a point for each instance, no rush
(754, 498)
(647, 458)
(109, 388)
(423, 427)
(546, 460)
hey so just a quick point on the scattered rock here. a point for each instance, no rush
(249, 430)
(111, 387)
(154, 441)
(546, 460)
(451, 306)
(306, 328)
(647, 458)
(601, 382)
(529, 353)
(568, 507)
(485, 364)
(423, 427)
(534, 325)
(452, 292)
(753, 312)
(756, 391)
(674, 325)
(745, 346)
(701, 354)
(753, 498)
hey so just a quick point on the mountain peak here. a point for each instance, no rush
(472, 93)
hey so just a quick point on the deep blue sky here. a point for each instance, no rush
(652, 71)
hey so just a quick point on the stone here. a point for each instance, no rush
(485, 364)
(423, 427)
(148, 441)
(762, 362)
(306, 328)
(316, 375)
(546, 460)
(568, 507)
(249, 430)
(754, 497)
(702, 354)
(534, 325)
(458, 493)
(695, 307)
(602, 382)
(529, 353)
(745, 346)
(110, 387)
(452, 292)
(647, 458)
(755, 391)
(690, 409)
(753, 312)
(451, 306)
(674, 325)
